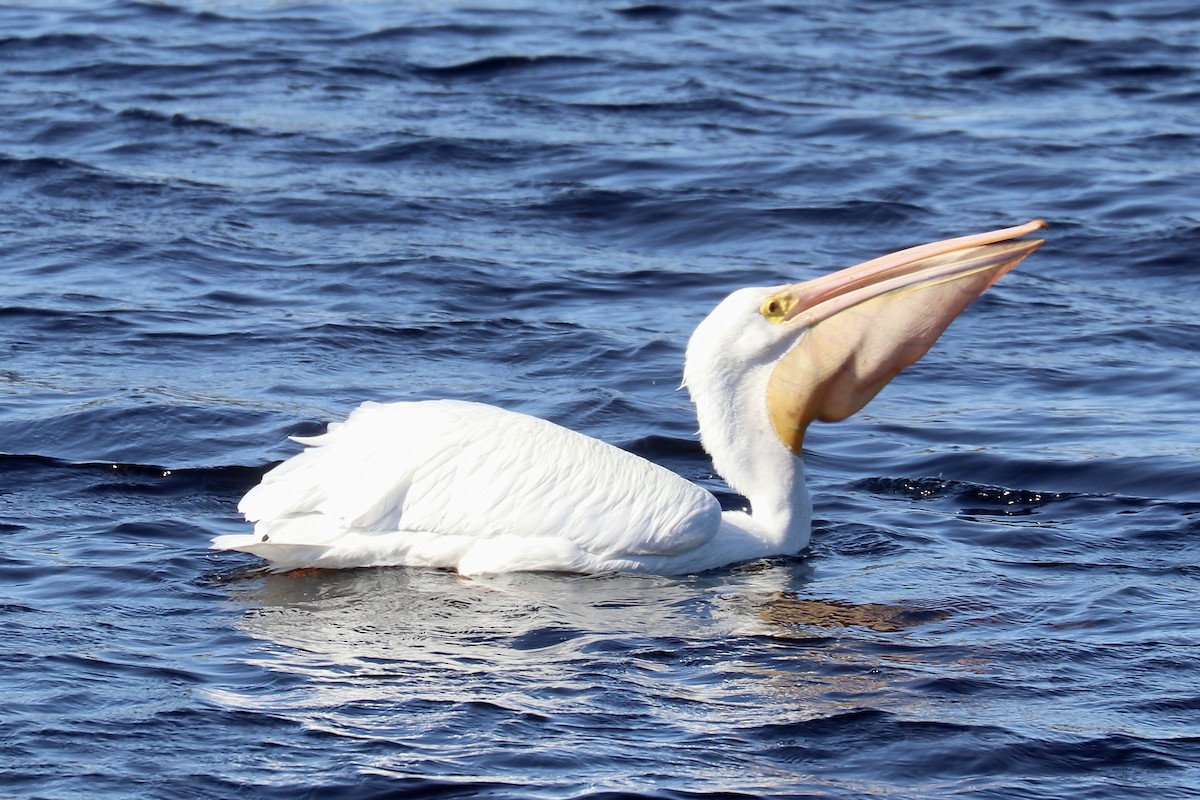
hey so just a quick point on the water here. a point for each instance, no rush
(224, 223)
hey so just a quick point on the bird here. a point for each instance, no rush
(480, 490)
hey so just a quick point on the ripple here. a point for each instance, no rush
(494, 66)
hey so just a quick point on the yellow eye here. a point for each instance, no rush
(773, 308)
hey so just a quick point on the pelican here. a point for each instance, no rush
(477, 489)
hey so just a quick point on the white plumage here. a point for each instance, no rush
(445, 483)
(466, 486)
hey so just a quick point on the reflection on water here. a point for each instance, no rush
(787, 609)
(747, 642)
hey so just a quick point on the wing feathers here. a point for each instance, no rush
(466, 485)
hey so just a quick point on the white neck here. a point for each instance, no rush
(736, 431)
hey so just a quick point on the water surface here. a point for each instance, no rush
(225, 223)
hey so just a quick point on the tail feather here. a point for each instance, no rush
(281, 556)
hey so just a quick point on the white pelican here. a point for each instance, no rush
(471, 487)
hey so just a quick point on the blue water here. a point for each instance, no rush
(228, 222)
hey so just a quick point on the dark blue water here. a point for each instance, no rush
(226, 222)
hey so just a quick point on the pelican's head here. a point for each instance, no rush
(787, 355)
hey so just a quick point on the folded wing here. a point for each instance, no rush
(468, 486)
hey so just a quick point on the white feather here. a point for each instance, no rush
(471, 487)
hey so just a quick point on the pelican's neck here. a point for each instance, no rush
(736, 431)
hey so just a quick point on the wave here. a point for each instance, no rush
(134, 478)
(40, 43)
(494, 66)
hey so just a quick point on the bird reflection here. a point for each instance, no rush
(788, 609)
(455, 662)
(415, 614)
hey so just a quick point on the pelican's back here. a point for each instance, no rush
(468, 486)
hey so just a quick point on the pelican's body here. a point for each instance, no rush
(467, 486)
(471, 487)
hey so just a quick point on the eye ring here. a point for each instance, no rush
(773, 309)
